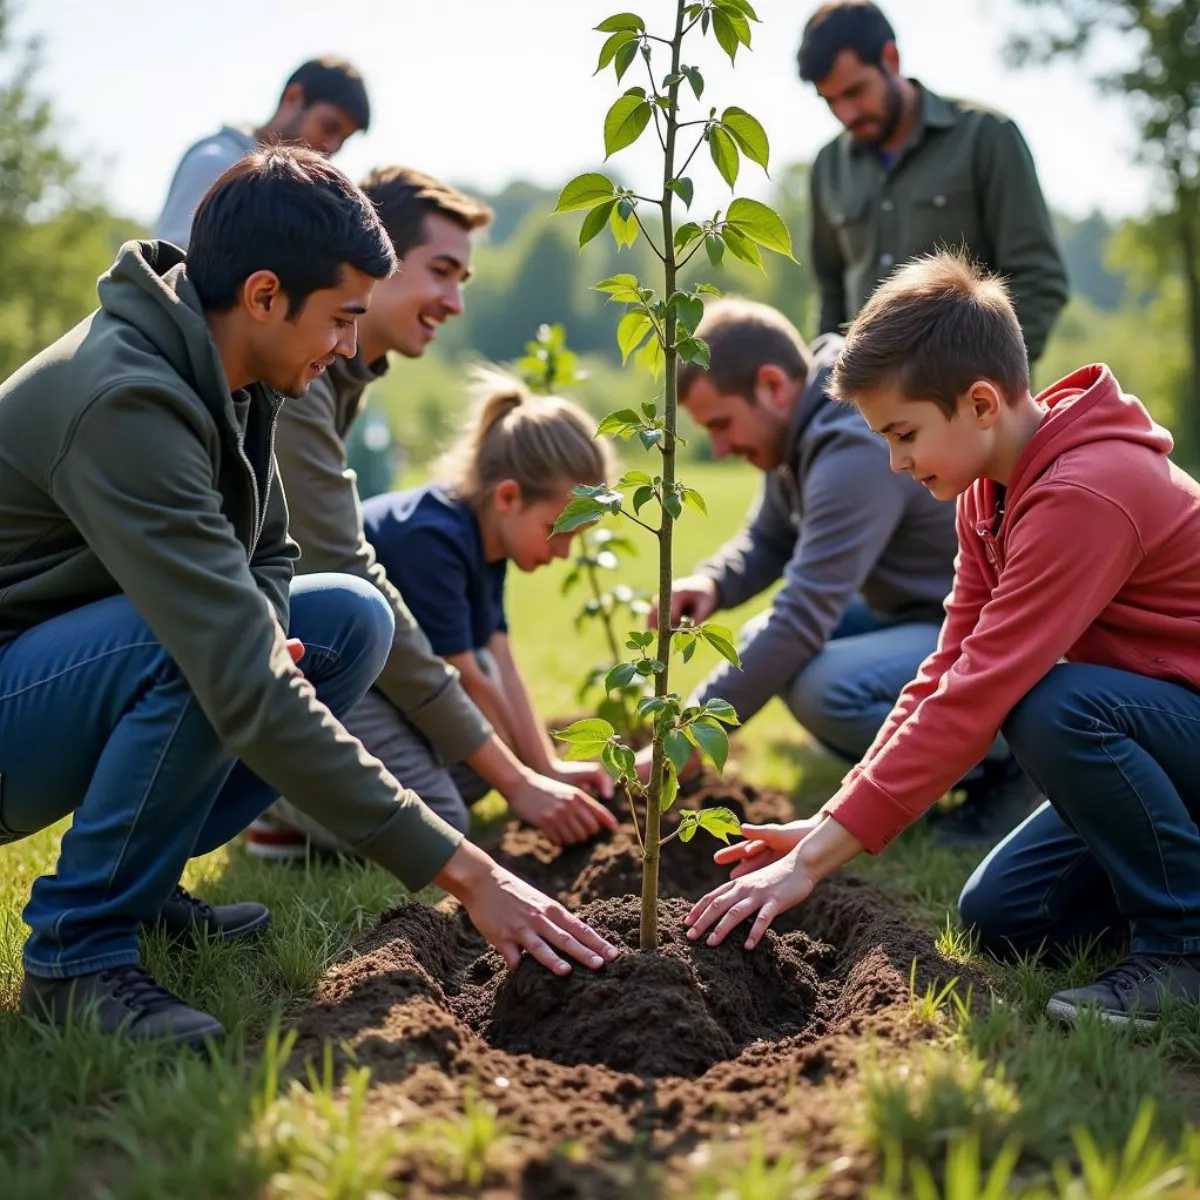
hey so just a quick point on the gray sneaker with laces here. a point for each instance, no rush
(1134, 991)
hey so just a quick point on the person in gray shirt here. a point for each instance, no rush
(323, 103)
(866, 555)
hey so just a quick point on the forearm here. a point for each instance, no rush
(490, 701)
(496, 763)
(828, 848)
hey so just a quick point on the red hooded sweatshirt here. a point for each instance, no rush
(1095, 560)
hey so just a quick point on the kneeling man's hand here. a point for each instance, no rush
(517, 918)
(694, 596)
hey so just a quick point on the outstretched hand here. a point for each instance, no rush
(518, 919)
(762, 893)
(764, 844)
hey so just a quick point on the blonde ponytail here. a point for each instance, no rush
(545, 443)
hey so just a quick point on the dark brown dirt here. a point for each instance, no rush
(609, 1084)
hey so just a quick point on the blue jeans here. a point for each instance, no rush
(96, 720)
(1117, 849)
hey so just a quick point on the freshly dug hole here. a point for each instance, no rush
(674, 1013)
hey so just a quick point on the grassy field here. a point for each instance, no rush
(85, 1116)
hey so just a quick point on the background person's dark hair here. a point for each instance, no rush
(932, 329)
(841, 25)
(333, 81)
(404, 197)
(286, 210)
(742, 336)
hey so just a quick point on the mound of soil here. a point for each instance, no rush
(676, 1012)
(607, 1085)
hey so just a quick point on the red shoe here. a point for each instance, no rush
(270, 838)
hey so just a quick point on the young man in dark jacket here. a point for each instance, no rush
(866, 556)
(147, 683)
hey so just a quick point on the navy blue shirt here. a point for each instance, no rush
(432, 550)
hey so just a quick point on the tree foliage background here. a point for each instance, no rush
(1132, 281)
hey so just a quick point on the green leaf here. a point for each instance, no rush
(742, 6)
(724, 153)
(572, 579)
(642, 496)
(628, 761)
(625, 20)
(720, 822)
(620, 676)
(619, 761)
(651, 438)
(625, 122)
(586, 738)
(673, 505)
(721, 640)
(639, 641)
(686, 233)
(645, 667)
(624, 57)
(689, 650)
(650, 409)
(741, 27)
(714, 247)
(579, 512)
(689, 310)
(682, 187)
(711, 740)
(623, 37)
(693, 498)
(651, 357)
(750, 135)
(708, 289)
(696, 80)
(585, 191)
(595, 221)
(693, 350)
(727, 36)
(760, 224)
(620, 287)
(722, 710)
(632, 478)
(633, 328)
(670, 789)
(624, 224)
(678, 748)
(740, 246)
(617, 422)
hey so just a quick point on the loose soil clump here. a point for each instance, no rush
(615, 1083)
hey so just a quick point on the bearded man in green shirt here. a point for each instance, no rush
(915, 172)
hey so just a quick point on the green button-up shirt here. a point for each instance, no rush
(965, 178)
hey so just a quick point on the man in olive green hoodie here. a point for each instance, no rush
(147, 681)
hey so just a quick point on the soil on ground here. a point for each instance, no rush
(620, 1083)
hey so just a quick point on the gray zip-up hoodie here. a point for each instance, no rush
(326, 522)
(834, 521)
(127, 466)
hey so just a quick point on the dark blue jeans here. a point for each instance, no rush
(1116, 850)
(96, 720)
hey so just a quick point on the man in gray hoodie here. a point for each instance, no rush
(866, 556)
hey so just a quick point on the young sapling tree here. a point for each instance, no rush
(658, 331)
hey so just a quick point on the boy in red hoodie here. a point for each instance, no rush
(1073, 627)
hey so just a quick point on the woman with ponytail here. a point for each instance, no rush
(447, 545)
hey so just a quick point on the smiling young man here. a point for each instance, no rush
(866, 556)
(323, 103)
(418, 718)
(1072, 626)
(147, 682)
(914, 172)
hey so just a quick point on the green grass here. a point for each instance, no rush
(1002, 1100)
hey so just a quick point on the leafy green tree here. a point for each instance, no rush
(658, 331)
(1161, 78)
(53, 241)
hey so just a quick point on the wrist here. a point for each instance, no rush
(500, 767)
(466, 871)
(827, 848)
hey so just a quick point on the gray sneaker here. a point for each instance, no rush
(186, 919)
(1133, 991)
(126, 998)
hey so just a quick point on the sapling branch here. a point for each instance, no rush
(638, 521)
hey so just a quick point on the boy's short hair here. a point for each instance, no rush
(333, 81)
(403, 197)
(287, 210)
(742, 336)
(839, 25)
(932, 329)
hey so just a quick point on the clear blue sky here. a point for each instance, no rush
(484, 91)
